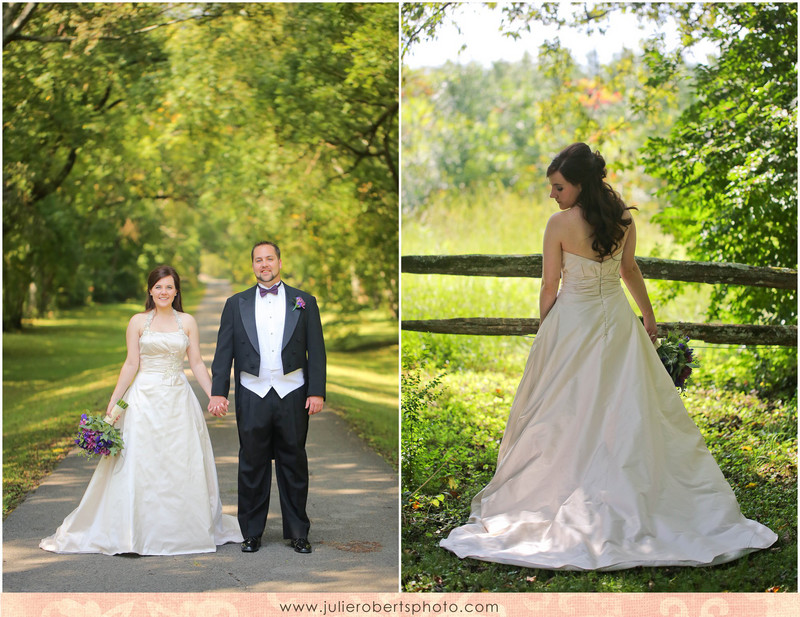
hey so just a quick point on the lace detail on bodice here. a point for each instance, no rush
(162, 352)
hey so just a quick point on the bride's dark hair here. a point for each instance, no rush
(602, 206)
(156, 275)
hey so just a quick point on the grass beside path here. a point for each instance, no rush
(52, 372)
(363, 369)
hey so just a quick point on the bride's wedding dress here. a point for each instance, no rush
(160, 495)
(601, 467)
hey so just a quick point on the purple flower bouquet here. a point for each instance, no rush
(678, 358)
(96, 437)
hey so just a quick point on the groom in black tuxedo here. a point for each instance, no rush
(272, 335)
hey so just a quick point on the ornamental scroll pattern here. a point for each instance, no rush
(307, 604)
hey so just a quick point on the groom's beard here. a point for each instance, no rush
(267, 277)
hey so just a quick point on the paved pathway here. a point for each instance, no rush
(353, 506)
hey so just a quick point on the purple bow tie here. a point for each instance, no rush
(272, 290)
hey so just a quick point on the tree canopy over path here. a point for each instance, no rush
(139, 134)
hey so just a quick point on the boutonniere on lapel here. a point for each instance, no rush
(299, 303)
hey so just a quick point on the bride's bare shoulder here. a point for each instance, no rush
(561, 218)
(137, 322)
(568, 221)
(139, 317)
(188, 320)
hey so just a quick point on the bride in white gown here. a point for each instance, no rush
(600, 466)
(160, 495)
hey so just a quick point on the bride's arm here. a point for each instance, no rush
(634, 281)
(196, 363)
(551, 267)
(131, 364)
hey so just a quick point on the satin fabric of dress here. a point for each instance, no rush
(160, 495)
(600, 466)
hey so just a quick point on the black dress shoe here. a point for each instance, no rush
(300, 545)
(251, 544)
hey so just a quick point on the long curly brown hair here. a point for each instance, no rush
(601, 205)
(156, 275)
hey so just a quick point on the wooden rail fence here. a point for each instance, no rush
(653, 268)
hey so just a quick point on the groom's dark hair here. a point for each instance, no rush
(263, 242)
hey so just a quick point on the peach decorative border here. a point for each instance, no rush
(398, 604)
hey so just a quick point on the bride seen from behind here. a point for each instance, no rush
(595, 231)
(600, 466)
(160, 495)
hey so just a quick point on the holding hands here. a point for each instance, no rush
(218, 406)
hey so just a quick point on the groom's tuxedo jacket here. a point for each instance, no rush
(237, 342)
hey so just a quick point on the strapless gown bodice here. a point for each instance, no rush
(161, 356)
(583, 276)
(600, 466)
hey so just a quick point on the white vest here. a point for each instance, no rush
(270, 319)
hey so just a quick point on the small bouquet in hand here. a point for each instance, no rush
(97, 437)
(678, 358)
